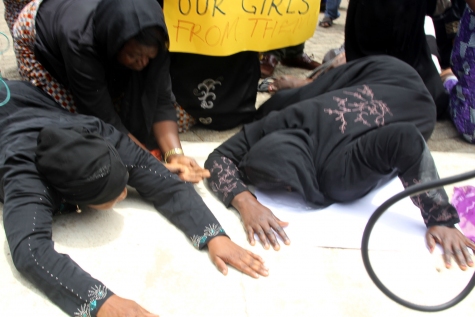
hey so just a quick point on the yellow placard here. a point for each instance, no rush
(225, 27)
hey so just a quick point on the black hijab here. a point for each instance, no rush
(284, 160)
(83, 167)
(115, 22)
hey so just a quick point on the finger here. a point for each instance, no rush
(282, 223)
(192, 177)
(466, 254)
(430, 240)
(175, 168)
(263, 238)
(460, 257)
(255, 256)
(250, 236)
(205, 173)
(272, 239)
(470, 243)
(220, 265)
(448, 254)
(281, 232)
(193, 163)
(246, 269)
(257, 266)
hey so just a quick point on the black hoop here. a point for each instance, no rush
(371, 223)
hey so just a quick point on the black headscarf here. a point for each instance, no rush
(284, 160)
(83, 167)
(115, 22)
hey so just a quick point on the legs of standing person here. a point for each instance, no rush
(296, 57)
(291, 56)
(24, 34)
(331, 13)
(269, 61)
(462, 88)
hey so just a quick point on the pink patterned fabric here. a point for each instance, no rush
(30, 69)
(364, 104)
(464, 201)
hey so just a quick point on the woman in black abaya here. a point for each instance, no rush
(334, 140)
(106, 58)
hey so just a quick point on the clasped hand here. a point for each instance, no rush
(187, 169)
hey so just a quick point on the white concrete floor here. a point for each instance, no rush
(139, 255)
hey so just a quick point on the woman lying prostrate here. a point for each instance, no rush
(370, 125)
(105, 58)
(53, 161)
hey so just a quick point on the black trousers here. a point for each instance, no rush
(396, 149)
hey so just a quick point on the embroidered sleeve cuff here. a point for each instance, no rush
(97, 297)
(210, 231)
(225, 180)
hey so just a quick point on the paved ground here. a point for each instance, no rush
(139, 255)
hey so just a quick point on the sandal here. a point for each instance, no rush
(326, 22)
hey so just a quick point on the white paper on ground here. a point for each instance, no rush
(342, 225)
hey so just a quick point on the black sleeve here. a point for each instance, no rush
(88, 85)
(434, 204)
(178, 201)
(163, 106)
(27, 215)
(226, 181)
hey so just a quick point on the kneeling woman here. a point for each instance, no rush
(333, 141)
(105, 58)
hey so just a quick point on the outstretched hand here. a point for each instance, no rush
(223, 251)
(454, 244)
(187, 169)
(258, 219)
(116, 306)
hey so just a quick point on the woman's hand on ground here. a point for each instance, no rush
(454, 244)
(187, 168)
(116, 306)
(260, 220)
(223, 251)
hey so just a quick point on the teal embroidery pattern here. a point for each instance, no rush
(95, 293)
(211, 230)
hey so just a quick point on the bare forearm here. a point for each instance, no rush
(166, 134)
